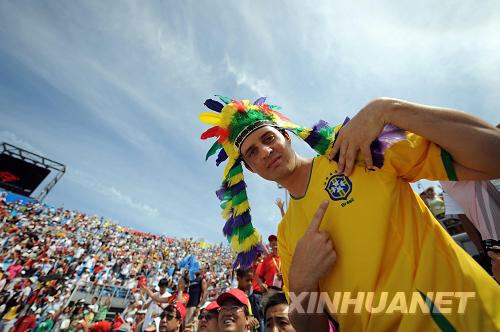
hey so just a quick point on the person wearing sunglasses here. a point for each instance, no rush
(208, 318)
(171, 318)
(234, 312)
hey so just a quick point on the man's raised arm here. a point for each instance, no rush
(473, 143)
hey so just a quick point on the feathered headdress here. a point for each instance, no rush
(232, 122)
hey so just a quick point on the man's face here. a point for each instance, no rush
(169, 321)
(232, 316)
(274, 247)
(268, 153)
(208, 321)
(277, 319)
(245, 283)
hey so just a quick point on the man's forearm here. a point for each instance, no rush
(472, 142)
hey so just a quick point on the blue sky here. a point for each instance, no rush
(113, 89)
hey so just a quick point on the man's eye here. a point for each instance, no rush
(269, 139)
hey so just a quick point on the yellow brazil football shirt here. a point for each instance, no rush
(393, 257)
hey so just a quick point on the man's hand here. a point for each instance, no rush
(189, 327)
(314, 255)
(253, 323)
(358, 134)
(281, 206)
(495, 263)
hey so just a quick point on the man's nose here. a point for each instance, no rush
(266, 151)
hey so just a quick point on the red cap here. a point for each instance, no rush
(212, 306)
(181, 309)
(235, 293)
(272, 237)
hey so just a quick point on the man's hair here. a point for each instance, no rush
(171, 309)
(242, 273)
(163, 282)
(276, 299)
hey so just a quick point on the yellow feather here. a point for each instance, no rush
(247, 244)
(235, 179)
(210, 118)
(227, 115)
(226, 212)
(229, 165)
(241, 208)
(305, 133)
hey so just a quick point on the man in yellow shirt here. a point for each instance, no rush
(372, 240)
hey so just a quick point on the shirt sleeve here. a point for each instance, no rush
(414, 158)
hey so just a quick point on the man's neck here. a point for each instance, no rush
(296, 183)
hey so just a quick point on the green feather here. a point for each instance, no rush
(240, 198)
(244, 232)
(237, 169)
(215, 147)
(325, 141)
(225, 100)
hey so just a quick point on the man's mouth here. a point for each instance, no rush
(274, 162)
(228, 321)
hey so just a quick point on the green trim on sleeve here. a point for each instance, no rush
(448, 165)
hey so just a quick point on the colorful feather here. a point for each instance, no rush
(214, 105)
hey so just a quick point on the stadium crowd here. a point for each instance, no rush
(48, 254)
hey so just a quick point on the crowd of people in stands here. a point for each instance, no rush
(47, 254)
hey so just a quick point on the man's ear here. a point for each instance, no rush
(248, 167)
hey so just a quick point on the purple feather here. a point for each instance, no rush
(221, 157)
(234, 222)
(214, 105)
(389, 135)
(314, 137)
(320, 125)
(228, 227)
(237, 188)
(260, 101)
(245, 260)
(221, 191)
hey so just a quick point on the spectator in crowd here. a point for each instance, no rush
(103, 308)
(234, 311)
(208, 317)
(172, 317)
(257, 267)
(197, 294)
(154, 309)
(270, 272)
(47, 324)
(276, 314)
(245, 278)
(433, 202)
(27, 322)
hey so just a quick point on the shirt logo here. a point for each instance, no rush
(338, 187)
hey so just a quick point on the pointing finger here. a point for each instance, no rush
(318, 217)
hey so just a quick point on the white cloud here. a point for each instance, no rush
(112, 193)
(261, 87)
(11, 138)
